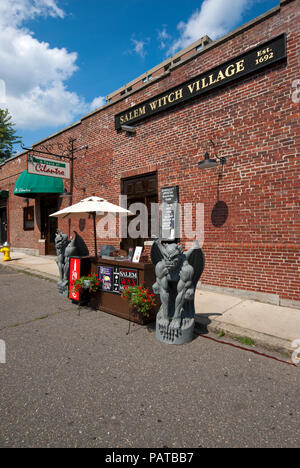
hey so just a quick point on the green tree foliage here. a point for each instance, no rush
(7, 136)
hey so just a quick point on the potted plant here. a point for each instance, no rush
(141, 300)
(89, 283)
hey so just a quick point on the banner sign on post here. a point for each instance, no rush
(48, 167)
(74, 275)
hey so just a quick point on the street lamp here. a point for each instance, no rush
(208, 162)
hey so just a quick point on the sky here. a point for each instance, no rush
(59, 59)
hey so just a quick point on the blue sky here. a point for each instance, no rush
(60, 58)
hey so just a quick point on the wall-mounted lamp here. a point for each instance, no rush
(128, 129)
(65, 194)
(208, 162)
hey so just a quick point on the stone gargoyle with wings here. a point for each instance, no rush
(177, 274)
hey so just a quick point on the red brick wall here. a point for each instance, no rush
(254, 124)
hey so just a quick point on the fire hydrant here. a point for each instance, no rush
(5, 249)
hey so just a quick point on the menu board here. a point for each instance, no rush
(170, 219)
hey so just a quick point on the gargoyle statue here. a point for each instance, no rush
(177, 273)
(61, 243)
(65, 249)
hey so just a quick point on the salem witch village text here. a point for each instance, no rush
(252, 60)
(176, 95)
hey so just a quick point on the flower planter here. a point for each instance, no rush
(137, 317)
(115, 305)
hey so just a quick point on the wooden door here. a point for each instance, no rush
(141, 189)
(3, 225)
(49, 205)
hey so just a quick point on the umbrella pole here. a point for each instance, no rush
(95, 234)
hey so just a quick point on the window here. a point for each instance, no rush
(147, 78)
(28, 218)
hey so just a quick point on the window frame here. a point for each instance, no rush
(28, 217)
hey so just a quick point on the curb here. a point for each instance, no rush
(29, 271)
(262, 340)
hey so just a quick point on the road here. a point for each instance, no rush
(75, 380)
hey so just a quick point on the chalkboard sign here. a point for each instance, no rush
(170, 194)
(170, 216)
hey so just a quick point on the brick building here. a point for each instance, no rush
(234, 98)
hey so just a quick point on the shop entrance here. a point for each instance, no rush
(140, 189)
(3, 223)
(49, 205)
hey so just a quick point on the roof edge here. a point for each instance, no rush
(208, 47)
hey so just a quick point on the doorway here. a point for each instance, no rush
(3, 224)
(49, 225)
(140, 189)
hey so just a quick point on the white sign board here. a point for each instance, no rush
(48, 167)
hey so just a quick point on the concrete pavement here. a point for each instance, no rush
(269, 326)
(79, 378)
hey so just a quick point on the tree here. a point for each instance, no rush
(7, 136)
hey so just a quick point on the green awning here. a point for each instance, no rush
(31, 185)
(3, 193)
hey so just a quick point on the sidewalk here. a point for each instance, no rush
(269, 326)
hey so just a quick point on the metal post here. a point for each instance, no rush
(71, 158)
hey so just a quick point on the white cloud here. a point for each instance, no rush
(26, 63)
(34, 73)
(50, 107)
(97, 102)
(14, 12)
(163, 37)
(139, 47)
(215, 18)
(2, 94)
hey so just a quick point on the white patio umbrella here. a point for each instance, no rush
(91, 207)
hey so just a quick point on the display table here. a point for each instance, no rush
(115, 276)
